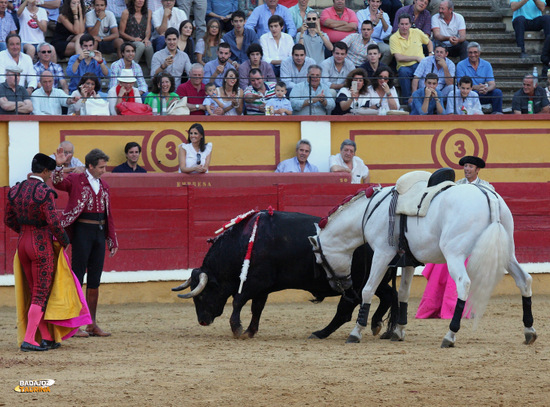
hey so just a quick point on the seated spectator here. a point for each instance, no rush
(132, 151)
(294, 68)
(230, 94)
(163, 88)
(372, 63)
(391, 7)
(338, 21)
(88, 87)
(257, 93)
(170, 59)
(315, 40)
(101, 24)
(125, 91)
(381, 25)
(545, 56)
(382, 94)
(117, 7)
(358, 44)
(406, 47)
(255, 61)
(428, 100)
(352, 97)
(346, 161)
(47, 100)
(337, 68)
(259, 19)
(449, 28)
(299, 163)
(164, 18)
(312, 97)
(135, 27)
(71, 164)
(199, 13)
(215, 70)
(248, 6)
(86, 60)
(439, 64)
(185, 41)
(34, 23)
(45, 52)
(212, 103)
(464, 99)
(530, 92)
(222, 10)
(128, 52)
(239, 38)
(276, 44)
(71, 25)
(14, 99)
(7, 23)
(279, 105)
(195, 155)
(13, 55)
(299, 13)
(420, 16)
(194, 90)
(207, 47)
(528, 16)
(481, 73)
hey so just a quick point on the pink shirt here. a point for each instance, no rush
(348, 16)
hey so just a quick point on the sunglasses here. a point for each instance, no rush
(46, 52)
(311, 19)
(198, 159)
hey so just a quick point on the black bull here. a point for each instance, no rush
(282, 258)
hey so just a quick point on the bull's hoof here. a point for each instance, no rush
(353, 339)
(530, 335)
(248, 334)
(237, 332)
(449, 340)
(376, 328)
(314, 336)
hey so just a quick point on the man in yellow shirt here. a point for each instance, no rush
(406, 46)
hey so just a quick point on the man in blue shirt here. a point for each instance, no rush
(481, 73)
(528, 17)
(300, 162)
(85, 60)
(239, 34)
(427, 101)
(221, 10)
(215, 70)
(261, 14)
(132, 151)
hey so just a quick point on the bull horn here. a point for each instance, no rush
(203, 279)
(182, 286)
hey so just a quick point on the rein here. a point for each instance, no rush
(327, 266)
(364, 221)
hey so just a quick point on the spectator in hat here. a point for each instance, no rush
(14, 98)
(125, 91)
(472, 165)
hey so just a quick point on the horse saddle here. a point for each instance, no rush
(417, 189)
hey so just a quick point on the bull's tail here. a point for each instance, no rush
(487, 262)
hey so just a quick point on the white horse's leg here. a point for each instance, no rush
(378, 269)
(458, 273)
(523, 281)
(407, 274)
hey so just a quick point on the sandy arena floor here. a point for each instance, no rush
(160, 356)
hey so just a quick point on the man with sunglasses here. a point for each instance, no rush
(315, 40)
(45, 63)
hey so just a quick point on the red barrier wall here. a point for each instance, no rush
(162, 227)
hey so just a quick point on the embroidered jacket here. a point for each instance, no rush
(82, 199)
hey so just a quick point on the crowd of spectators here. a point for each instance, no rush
(231, 57)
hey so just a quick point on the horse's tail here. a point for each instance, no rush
(487, 262)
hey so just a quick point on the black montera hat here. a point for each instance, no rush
(470, 159)
(44, 161)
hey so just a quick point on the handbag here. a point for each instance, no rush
(96, 107)
(134, 109)
(178, 107)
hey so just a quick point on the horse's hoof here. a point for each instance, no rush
(448, 340)
(376, 329)
(386, 335)
(313, 336)
(530, 335)
(398, 334)
(353, 339)
(238, 332)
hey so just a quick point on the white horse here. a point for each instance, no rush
(461, 222)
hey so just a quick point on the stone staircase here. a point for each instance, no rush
(489, 22)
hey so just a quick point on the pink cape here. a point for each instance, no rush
(439, 299)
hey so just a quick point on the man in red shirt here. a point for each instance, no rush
(193, 89)
(338, 21)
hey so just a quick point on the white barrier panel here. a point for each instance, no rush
(24, 144)
(318, 134)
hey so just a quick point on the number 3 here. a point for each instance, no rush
(461, 150)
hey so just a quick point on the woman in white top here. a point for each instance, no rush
(194, 157)
(353, 95)
(88, 87)
(382, 93)
(230, 94)
(125, 91)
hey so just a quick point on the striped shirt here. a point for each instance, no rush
(253, 108)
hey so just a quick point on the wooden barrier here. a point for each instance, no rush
(162, 227)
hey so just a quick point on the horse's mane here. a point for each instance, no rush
(347, 201)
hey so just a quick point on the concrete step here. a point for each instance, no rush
(474, 16)
(482, 5)
(485, 27)
(504, 38)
